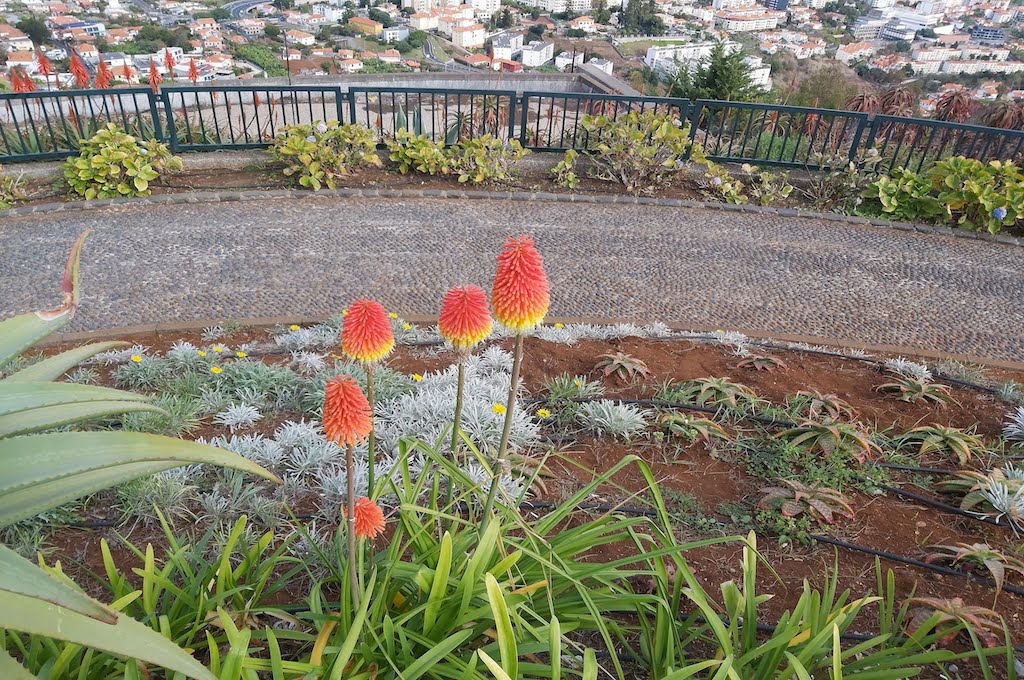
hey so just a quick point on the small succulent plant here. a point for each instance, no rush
(915, 390)
(981, 555)
(710, 392)
(795, 498)
(609, 417)
(624, 367)
(954, 616)
(827, 438)
(692, 428)
(763, 362)
(946, 440)
(814, 405)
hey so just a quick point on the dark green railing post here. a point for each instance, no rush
(524, 106)
(339, 105)
(694, 117)
(512, 100)
(872, 133)
(351, 105)
(862, 122)
(172, 129)
(154, 111)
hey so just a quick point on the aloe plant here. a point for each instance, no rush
(44, 469)
(939, 439)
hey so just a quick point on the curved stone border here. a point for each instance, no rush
(226, 196)
(268, 322)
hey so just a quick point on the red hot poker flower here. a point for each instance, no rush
(346, 419)
(521, 296)
(369, 519)
(465, 318)
(366, 334)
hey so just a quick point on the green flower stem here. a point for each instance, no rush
(371, 444)
(456, 427)
(351, 502)
(513, 389)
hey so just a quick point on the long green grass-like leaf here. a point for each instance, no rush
(493, 666)
(503, 624)
(54, 367)
(126, 637)
(439, 586)
(355, 631)
(555, 648)
(45, 470)
(436, 654)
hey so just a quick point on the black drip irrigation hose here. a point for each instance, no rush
(914, 468)
(944, 507)
(915, 563)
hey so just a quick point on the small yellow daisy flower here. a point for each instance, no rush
(578, 382)
(559, 325)
(293, 327)
(392, 315)
(241, 355)
(417, 377)
(499, 408)
(200, 352)
(344, 312)
(136, 358)
(543, 413)
(215, 369)
(406, 326)
(218, 349)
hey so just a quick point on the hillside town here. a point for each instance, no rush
(967, 46)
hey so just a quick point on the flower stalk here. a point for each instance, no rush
(506, 431)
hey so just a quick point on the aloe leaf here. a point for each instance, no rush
(49, 417)
(44, 470)
(54, 367)
(18, 575)
(21, 332)
(127, 637)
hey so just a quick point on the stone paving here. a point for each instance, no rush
(687, 267)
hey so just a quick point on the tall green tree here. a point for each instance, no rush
(722, 75)
(34, 28)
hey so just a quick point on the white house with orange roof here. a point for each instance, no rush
(296, 37)
(351, 65)
(584, 23)
(14, 38)
(26, 60)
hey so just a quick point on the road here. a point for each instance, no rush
(239, 8)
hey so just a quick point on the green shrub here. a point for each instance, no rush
(10, 189)
(719, 185)
(418, 153)
(905, 195)
(641, 151)
(962, 191)
(565, 172)
(322, 153)
(975, 193)
(113, 163)
(485, 159)
(767, 188)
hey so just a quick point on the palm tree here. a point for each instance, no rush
(898, 101)
(1003, 114)
(864, 101)
(954, 106)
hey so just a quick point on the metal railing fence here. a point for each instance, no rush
(51, 124)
